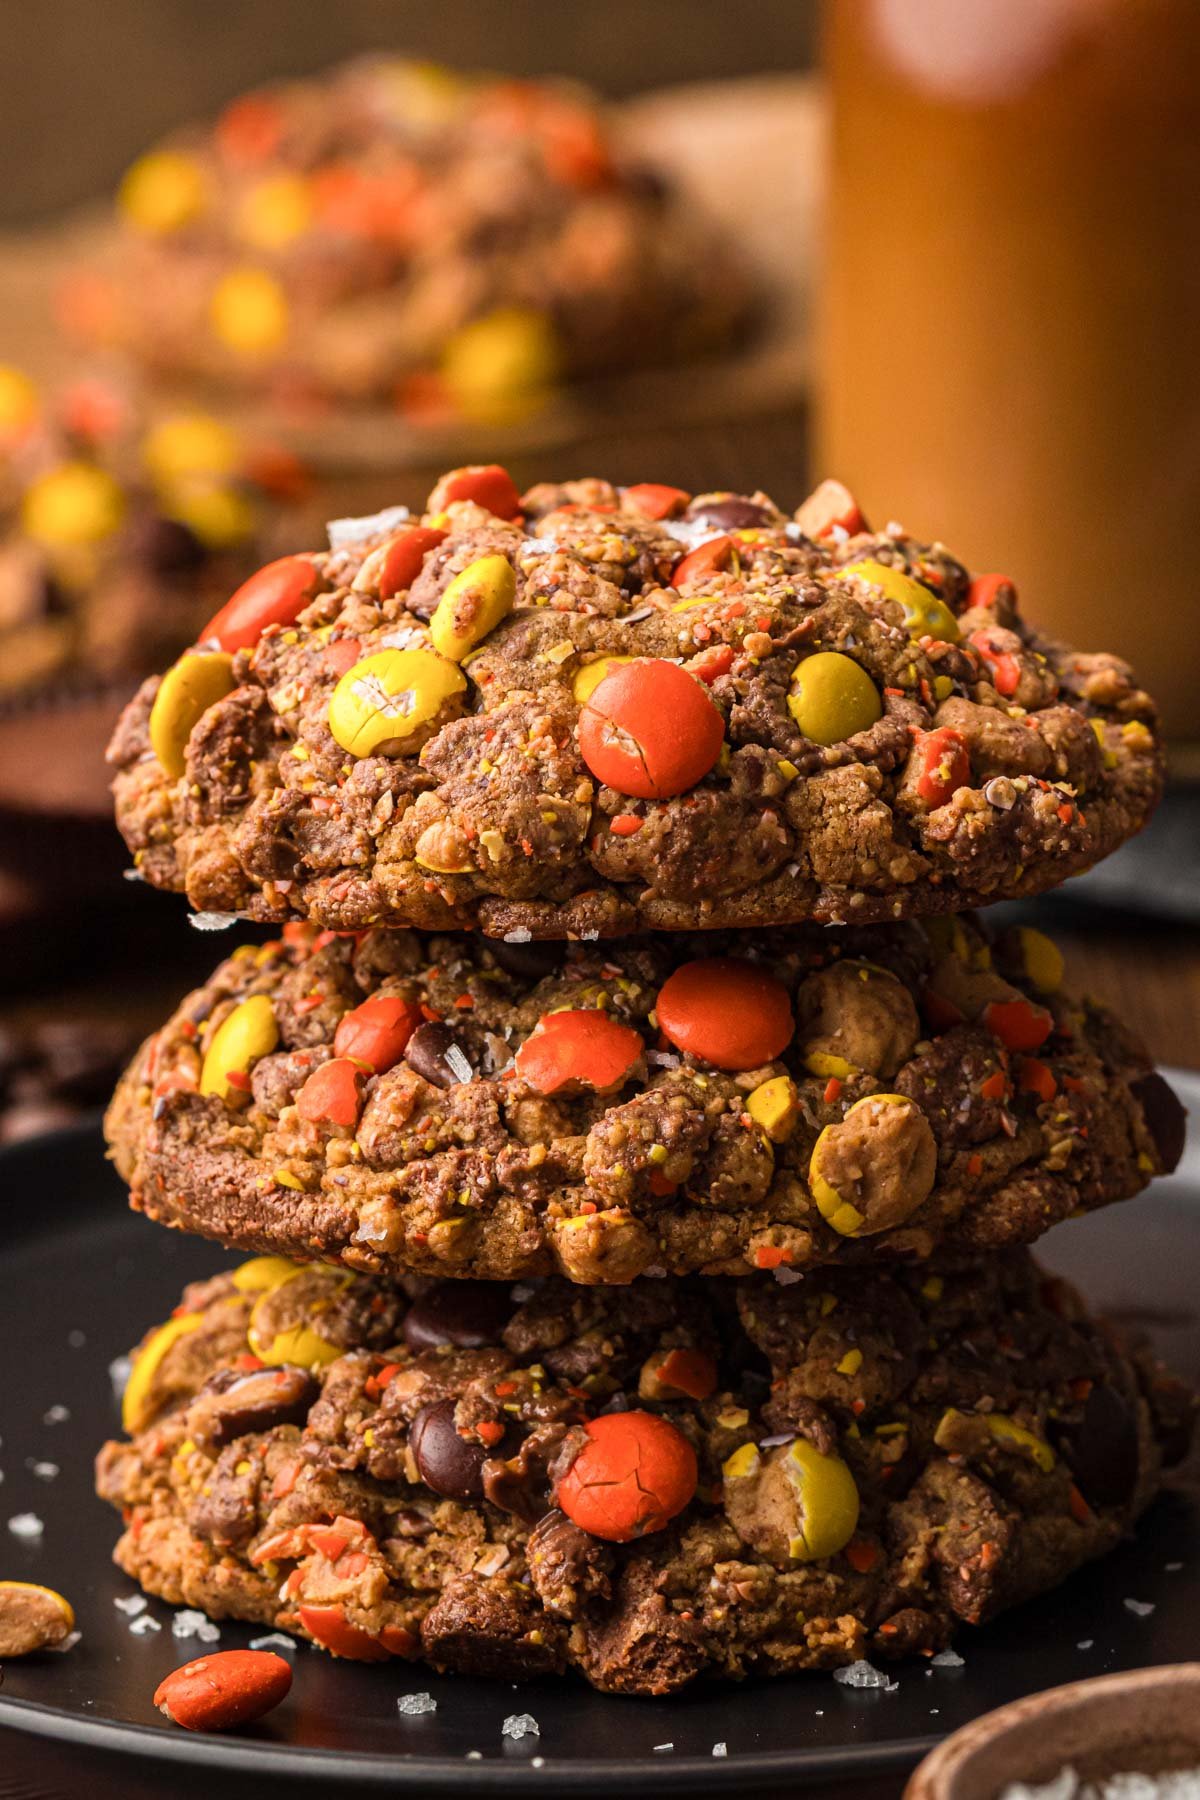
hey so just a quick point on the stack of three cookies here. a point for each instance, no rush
(638, 1143)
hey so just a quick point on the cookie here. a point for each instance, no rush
(397, 233)
(120, 533)
(682, 1479)
(714, 1103)
(590, 711)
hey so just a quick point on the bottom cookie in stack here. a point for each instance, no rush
(647, 1484)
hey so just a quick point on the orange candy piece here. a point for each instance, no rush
(1019, 1024)
(649, 729)
(377, 1032)
(633, 1475)
(986, 589)
(706, 559)
(487, 484)
(275, 595)
(654, 501)
(829, 508)
(690, 1372)
(331, 1093)
(945, 765)
(726, 1012)
(329, 1626)
(584, 1048)
(403, 559)
(223, 1690)
(1003, 666)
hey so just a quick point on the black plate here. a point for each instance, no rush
(76, 1262)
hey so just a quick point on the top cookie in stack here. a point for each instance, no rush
(589, 711)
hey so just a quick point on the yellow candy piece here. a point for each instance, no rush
(190, 444)
(389, 704)
(1042, 958)
(249, 312)
(298, 1344)
(839, 1213)
(775, 1107)
(162, 192)
(925, 613)
(25, 1632)
(745, 1461)
(423, 95)
(503, 366)
(263, 1274)
(134, 1414)
(833, 698)
(827, 1499)
(248, 1033)
(472, 605)
(275, 212)
(72, 506)
(1010, 1435)
(589, 677)
(220, 516)
(824, 1062)
(196, 682)
(19, 406)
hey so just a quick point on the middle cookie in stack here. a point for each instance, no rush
(753, 1372)
(446, 1105)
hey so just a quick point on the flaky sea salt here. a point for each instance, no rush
(720, 1749)
(26, 1525)
(344, 532)
(948, 1659)
(274, 1640)
(520, 934)
(56, 1415)
(457, 1063)
(411, 1706)
(520, 1725)
(119, 1371)
(1128, 1784)
(863, 1674)
(131, 1604)
(660, 1748)
(68, 1643)
(212, 921)
(144, 1625)
(1141, 1609)
(191, 1624)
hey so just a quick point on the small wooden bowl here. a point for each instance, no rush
(1147, 1721)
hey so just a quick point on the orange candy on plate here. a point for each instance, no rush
(633, 1475)
(649, 729)
(377, 1032)
(274, 595)
(726, 1012)
(582, 1048)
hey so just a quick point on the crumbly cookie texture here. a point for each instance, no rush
(398, 233)
(848, 1466)
(713, 1104)
(590, 711)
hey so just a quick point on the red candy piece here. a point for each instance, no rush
(1033, 1077)
(945, 765)
(649, 729)
(219, 1692)
(249, 130)
(584, 1048)
(276, 595)
(830, 507)
(985, 590)
(726, 1012)
(711, 664)
(689, 1372)
(331, 1093)
(632, 1476)
(705, 560)
(654, 501)
(376, 1032)
(1019, 1024)
(329, 1626)
(404, 557)
(1004, 667)
(487, 484)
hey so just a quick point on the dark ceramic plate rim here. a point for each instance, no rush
(749, 1768)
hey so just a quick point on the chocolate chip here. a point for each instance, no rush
(529, 962)
(1166, 1117)
(467, 1314)
(732, 514)
(449, 1464)
(165, 546)
(1103, 1450)
(429, 1052)
(232, 1402)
